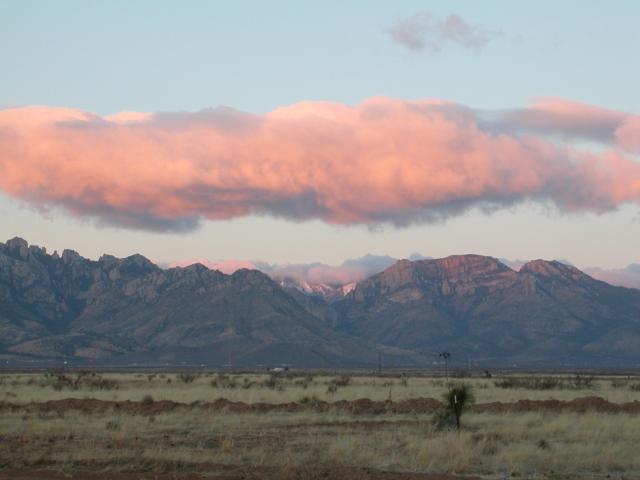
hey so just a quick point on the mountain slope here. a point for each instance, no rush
(73, 307)
(477, 306)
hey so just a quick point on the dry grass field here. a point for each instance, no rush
(314, 425)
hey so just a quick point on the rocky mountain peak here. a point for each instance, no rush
(251, 276)
(108, 261)
(195, 268)
(553, 268)
(17, 247)
(455, 265)
(69, 256)
(139, 262)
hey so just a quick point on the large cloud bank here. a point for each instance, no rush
(381, 161)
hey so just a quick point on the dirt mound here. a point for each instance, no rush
(417, 405)
(230, 472)
(91, 405)
(579, 405)
(362, 406)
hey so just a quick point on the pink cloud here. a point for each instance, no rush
(628, 134)
(556, 115)
(625, 277)
(560, 117)
(382, 160)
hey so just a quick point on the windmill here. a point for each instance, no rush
(445, 356)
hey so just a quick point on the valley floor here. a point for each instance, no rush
(135, 426)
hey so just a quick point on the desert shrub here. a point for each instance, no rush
(83, 379)
(543, 444)
(578, 382)
(308, 399)
(304, 381)
(530, 383)
(301, 383)
(583, 382)
(112, 425)
(342, 380)
(272, 382)
(337, 382)
(147, 399)
(635, 387)
(187, 377)
(247, 384)
(61, 381)
(224, 381)
(101, 383)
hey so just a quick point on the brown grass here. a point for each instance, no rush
(534, 443)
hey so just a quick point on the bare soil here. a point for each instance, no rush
(227, 472)
(360, 406)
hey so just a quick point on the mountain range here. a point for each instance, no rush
(333, 281)
(56, 308)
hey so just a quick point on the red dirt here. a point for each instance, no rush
(228, 472)
(579, 405)
(361, 406)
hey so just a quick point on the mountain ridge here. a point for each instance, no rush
(55, 307)
(479, 304)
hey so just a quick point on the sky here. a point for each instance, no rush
(292, 132)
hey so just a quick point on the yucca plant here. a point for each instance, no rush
(456, 400)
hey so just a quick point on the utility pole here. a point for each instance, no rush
(379, 362)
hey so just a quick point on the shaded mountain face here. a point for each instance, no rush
(130, 310)
(475, 305)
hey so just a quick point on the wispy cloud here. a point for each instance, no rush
(424, 32)
(625, 277)
(315, 273)
(381, 161)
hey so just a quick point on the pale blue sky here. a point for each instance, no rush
(107, 57)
